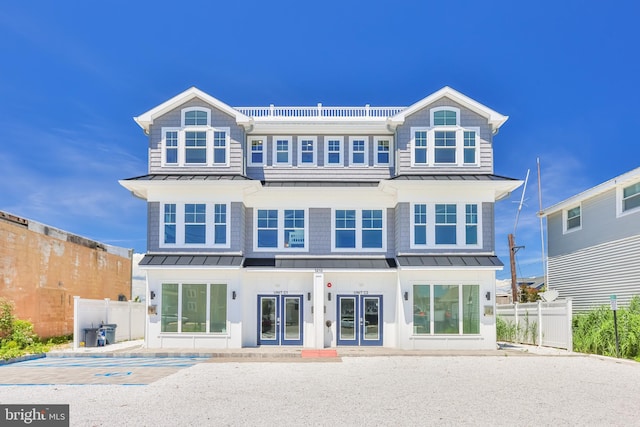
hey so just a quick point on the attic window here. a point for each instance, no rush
(445, 117)
(195, 117)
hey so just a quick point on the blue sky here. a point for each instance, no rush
(73, 74)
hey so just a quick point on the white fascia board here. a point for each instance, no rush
(145, 120)
(572, 201)
(495, 119)
(190, 190)
(318, 197)
(488, 191)
(452, 268)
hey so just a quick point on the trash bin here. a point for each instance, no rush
(91, 337)
(109, 332)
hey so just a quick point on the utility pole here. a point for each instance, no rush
(512, 261)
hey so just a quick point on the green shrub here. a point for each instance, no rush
(6, 318)
(17, 337)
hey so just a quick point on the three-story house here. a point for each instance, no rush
(321, 226)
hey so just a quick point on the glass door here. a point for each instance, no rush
(279, 319)
(359, 320)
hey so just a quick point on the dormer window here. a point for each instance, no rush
(445, 117)
(196, 142)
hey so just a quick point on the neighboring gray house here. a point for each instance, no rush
(594, 243)
(321, 226)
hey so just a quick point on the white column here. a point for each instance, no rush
(318, 309)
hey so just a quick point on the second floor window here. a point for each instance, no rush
(471, 224)
(420, 224)
(281, 151)
(256, 155)
(446, 224)
(358, 229)
(280, 229)
(383, 151)
(307, 151)
(195, 147)
(359, 152)
(445, 147)
(333, 152)
(267, 228)
(631, 197)
(203, 224)
(435, 225)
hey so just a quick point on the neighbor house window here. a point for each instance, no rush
(195, 219)
(171, 147)
(359, 151)
(170, 223)
(281, 150)
(333, 151)
(471, 224)
(307, 151)
(185, 307)
(446, 309)
(359, 229)
(573, 219)
(256, 155)
(446, 224)
(631, 197)
(383, 151)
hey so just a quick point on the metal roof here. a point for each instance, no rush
(449, 261)
(320, 183)
(451, 177)
(190, 177)
(192, 260)
(328, 263)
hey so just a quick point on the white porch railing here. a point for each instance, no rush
(540, 323)
(129, 317)
(320, 111)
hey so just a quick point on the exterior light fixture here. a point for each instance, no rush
(233, 294)
(488, 296)
(406, 296)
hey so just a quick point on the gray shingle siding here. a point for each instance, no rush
(218, 119)
(599, 225)
(422, 119)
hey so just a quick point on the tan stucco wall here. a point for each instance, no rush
(41, 271)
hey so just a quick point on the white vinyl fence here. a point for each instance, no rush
(128, 316)
(539, 323)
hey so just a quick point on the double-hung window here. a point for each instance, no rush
(358, 229)
(256, 150)
(189, 224)
(281, 151)
(359, 151)
(170, 223)
(307, 151)
(572, 219)
(196, 142)
(333, 151)
(420, 150)
(280, 230)
(631, 197)
(446, 224)
(470, 147)
(192, 308)
(195, 219)
(445, 146)
(383, 151)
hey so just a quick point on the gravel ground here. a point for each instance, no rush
(381, 391)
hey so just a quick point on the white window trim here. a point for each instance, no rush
(431, 148)
(359, 230)
(432, 114)
(375, 144)
(352, 139)
(461, 224)
(207, 308)
(185, 110)
(281, 247)
(619, 201)
(163, 145)
(314, 153)
(340, 139)
(209, 131)
(274, 143)
(565, 218)
(180, 225)
(250, 139)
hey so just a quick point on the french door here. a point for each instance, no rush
(359, 320)
(279, 319)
